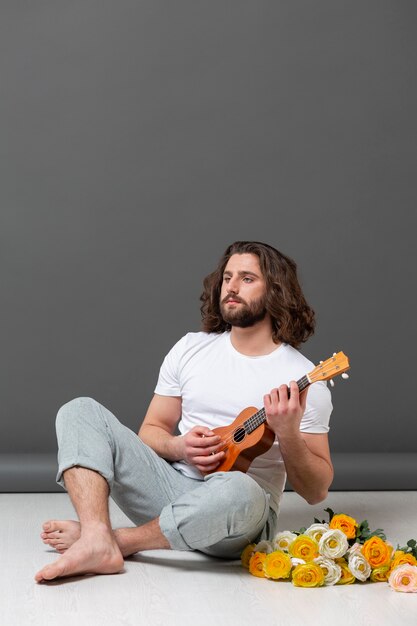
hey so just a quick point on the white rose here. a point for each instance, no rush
(332, 571)
(283, 539)
(264, 546)
(355, 549)
(316, 531)
(333, 544)
(359, 566)
(296, 561)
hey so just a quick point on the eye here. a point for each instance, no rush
(226, 279)
(247, 279)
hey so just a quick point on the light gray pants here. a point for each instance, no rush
(219, 515)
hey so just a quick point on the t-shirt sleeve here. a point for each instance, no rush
(168, 380)
(319, 408)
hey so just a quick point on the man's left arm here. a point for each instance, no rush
(306, 456)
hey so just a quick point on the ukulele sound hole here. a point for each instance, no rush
(239, 435)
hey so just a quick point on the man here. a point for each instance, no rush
(254, 316)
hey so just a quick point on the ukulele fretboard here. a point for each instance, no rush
(259, 417)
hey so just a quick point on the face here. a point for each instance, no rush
(242, 296)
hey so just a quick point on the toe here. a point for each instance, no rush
(52, 535)
(54, 570)
(52, 542)
(52, 526)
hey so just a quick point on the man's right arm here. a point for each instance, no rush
(199, 446)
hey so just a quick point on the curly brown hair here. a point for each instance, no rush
(293, 321)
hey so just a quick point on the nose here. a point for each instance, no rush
(233, 285)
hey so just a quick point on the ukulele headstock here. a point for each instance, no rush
(326, 370)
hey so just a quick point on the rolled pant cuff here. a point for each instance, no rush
(85, 463)
(169, 529)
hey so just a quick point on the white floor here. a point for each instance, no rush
(188, 589)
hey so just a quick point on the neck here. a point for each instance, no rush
(255, 340)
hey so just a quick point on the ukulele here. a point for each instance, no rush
(248, 436)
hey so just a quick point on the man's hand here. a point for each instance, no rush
(283, 413)
(201, 447)
(306, 455)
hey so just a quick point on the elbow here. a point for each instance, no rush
(317, 497)
(320, 494)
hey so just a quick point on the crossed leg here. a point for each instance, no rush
(62, 534)
(91, 546)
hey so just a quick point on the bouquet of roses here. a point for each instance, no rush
(339, 552)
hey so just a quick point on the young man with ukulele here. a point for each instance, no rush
(254, 317)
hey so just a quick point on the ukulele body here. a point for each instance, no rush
(240, 447)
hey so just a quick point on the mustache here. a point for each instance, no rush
(234, 298)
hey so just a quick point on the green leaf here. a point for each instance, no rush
(331, 513)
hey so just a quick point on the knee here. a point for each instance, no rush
(74, 409)
(242, 495)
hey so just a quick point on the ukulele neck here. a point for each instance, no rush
(259, 417)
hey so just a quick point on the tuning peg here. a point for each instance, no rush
(331, 381)
(344, 375)
(321, 362)
(334, 353)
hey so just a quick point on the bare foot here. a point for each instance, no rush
(61, 534)
(95, 552)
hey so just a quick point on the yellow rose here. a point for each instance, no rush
(308, 575)
(256, 564)
(277, 565)
(304, 547)
(246, 555)
(377, 552)
(380, 574)
(401, 558)
(347, 578)
(346, 524)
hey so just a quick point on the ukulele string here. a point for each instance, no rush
(248, 426)
(257, 419)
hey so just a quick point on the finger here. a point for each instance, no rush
(206, 442)
(303, 399)
(202, 431)
(283, 396)
(210, 467)
(209, 451)
(294, 392)
(207, 469)
(271, 401)
(210, 459)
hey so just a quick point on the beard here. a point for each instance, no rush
(246, 315)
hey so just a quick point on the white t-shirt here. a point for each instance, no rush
(216, 382)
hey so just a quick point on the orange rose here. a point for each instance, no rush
(256, 564)
(346, 524)
(377, 552)
(401, 558)
(246, 555)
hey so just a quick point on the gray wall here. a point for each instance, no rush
(140, 138)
